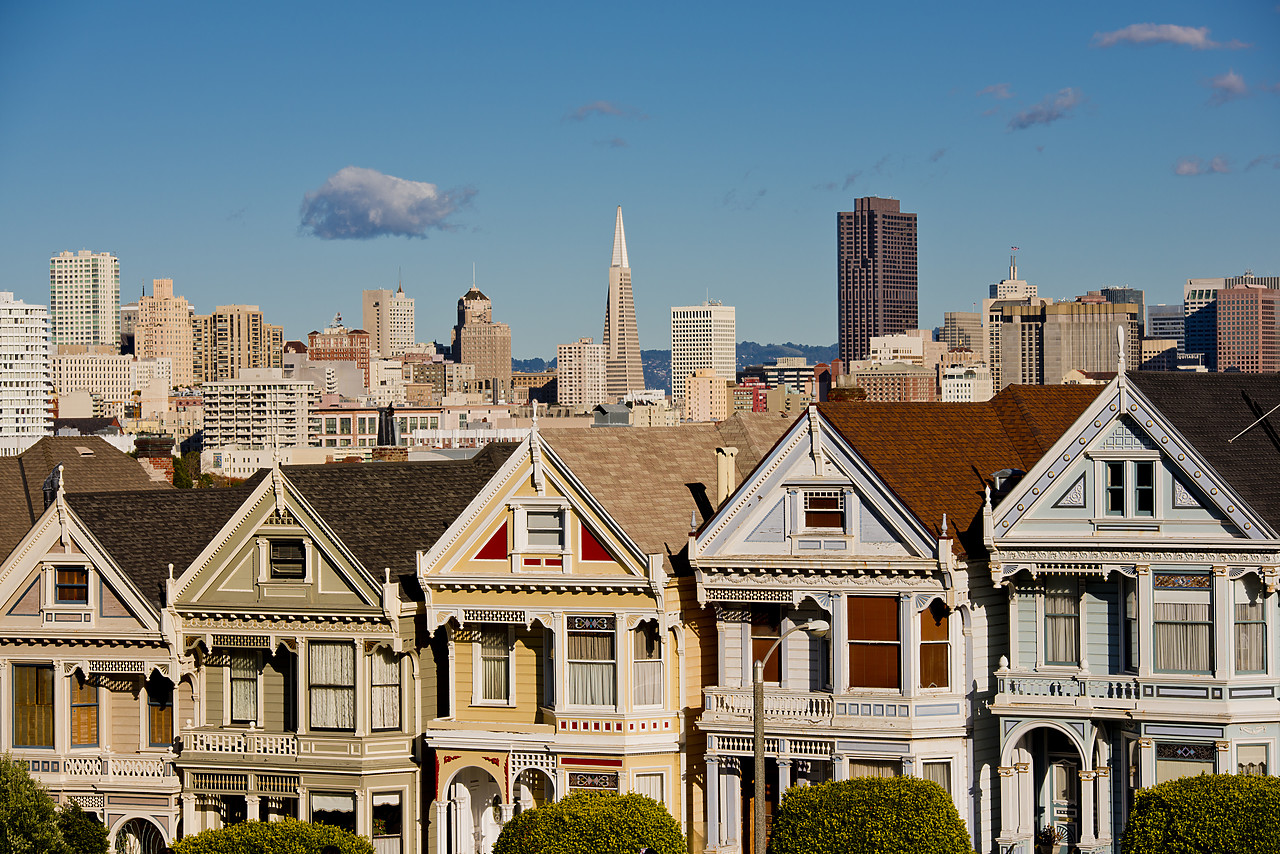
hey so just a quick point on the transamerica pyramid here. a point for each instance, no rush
(623, 372)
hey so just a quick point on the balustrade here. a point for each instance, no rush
(244, 743)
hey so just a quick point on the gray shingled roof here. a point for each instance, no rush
(1208, 409)
(103, 469)
(144, 532)
(385, 512)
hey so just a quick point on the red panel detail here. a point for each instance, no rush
(496, 548)
(532, 561)
(554, 561)
(597, 725)
(591, 548)
(595, 763)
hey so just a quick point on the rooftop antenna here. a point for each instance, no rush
(1254, 424)
(473, 274)
(1013, 264)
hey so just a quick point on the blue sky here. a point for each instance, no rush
(1115, 143)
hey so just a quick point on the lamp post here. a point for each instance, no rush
(814, 628)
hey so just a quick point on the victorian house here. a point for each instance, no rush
(565, 620)
(84, 663)
(1140, 559)
(868, 518)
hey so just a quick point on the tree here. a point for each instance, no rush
(81, 831)
(28, 821)
(273, 837)
(1221, 813)
(593, 823)
(869, 815)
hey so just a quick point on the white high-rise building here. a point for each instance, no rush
(84, 298)
(26, 394)
(581, 374)
(388, 318)
(702, 336)
(260, 409)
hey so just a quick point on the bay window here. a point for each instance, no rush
(935, 647)
(1183, 628)
(874, 642)
(32, 705)
(384, 680)
(332, 674)
(592, 661)
(1061, 621)
(648, 664)
(1250, 626)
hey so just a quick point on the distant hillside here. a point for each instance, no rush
(657, 363)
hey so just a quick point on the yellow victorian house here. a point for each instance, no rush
(566, 627)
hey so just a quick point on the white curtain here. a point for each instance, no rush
(333, 685)
(873, 768)
(591, 669)
(244, 686)
(1062, 609)
(650, 785)
(495, 664)
(1183, 637)
(386, 691)
(940, 773)
(648, 666)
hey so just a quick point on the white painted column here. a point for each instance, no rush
(840, 769)
(1146, 620)
(363, 690)
(839, 644)
(362, 814)
(1222, 612)
(442, 825)
(713, 803)
(304, 710)
(253, 806)
(1088, 803)
(1008, 800)
(1026, 798)
(1102, 784)
(908, 634)
(1146, 762)
(784, 777)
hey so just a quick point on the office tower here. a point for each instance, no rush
(876, 271)
(165, 330)
(339, 344)
(84, 298)
(702, 336)
(580, 374)
(1200, 312)
(389, 320)
(1129, 296)
(260, 409)
(1040, 344)
(26, 393)
(1012, 287)
(1247, 329)
(962, 329)
(621, 339)
(1165, 322)
(128, 328)
(231, 339)
(478, 341)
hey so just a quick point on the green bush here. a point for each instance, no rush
(28, 821)
(869, 815)
(593, 823)
(273, 837)
(1221, 813)
(82, 831)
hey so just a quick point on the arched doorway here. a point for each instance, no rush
(1052, 792)
(475, 814)
(533, 789)
(139, 836)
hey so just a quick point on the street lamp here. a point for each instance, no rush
(814, 628)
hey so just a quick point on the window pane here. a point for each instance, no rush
(1115, 489)
(1251, 759)
(592, 677)
(824, 510)
(72, 585)
(160, 711)
(494, 665)
(933, 622)
(1183, 637)
(874, 665)
(244, 686)
(873, 618)
(935, 665)
(1061, 611)
(545, 528)
(1250, 627)
(1144, 492)
(333, 677)
(940, 773)
(84, 713)
(385, 701)
(33, 705)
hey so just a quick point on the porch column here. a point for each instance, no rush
(1088, 799)
(713, 803)
(1146, 762)
(442, 825)
(252, 807)
(1103, 786)
(362, 817)
(303, 677)
(784, 777)
(189, 821)
(1026, 798)
(840, 771)
(1008, 800)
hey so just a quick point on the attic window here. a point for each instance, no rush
(288, 559)
(72, 585)
(824, 510)
(83, 451)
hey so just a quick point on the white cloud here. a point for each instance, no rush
(999, 91)
(359, 204)
(1196, 38)
(1195, 166)
(603, 108)
(1226, 87)
(1048, 111)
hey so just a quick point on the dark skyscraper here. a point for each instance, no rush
(876, 262)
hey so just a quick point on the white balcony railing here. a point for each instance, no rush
(242, 743)
(1071, 686)
(104, 766)
(798, 706)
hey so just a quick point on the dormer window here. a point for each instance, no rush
(72, 585)
(288, 559)
(545, 529)
(1130, 488)
(824, 510)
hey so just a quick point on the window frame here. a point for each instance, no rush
(159, 707)
(823, 495)
(398, 668)
(255, 663)
(506, 634)
(602, 626)
(855, 643)
(1074, 616)
(350, 689)
(1129, 490)
(1238, 588)
(37, 707)
(1185, 595)
(81, 682)
(59, 585)
(926, 614)
(274, 574)
(646, 626)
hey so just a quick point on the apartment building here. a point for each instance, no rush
(165, 330)
(232, 339)
(26, 394)
(84, 299)
(259, 409)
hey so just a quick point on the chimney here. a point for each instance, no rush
(726, 473)
(155, 453)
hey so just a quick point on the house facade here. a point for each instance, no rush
(1140, 561)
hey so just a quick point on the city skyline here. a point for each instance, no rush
(1084, 136)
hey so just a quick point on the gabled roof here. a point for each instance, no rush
(144, 532)
(655, 481)
(102, 469)
(939, 457)
(386, 512)
(1208, 410)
